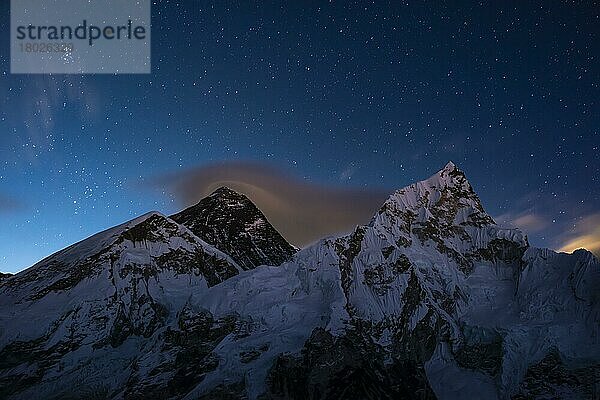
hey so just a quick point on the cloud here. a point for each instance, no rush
(303, 212)
(528, 221)
(585, 234)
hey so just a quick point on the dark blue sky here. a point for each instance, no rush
(347, 94)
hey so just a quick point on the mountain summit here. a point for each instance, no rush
(445, 212)
(232, 223)
(446, 196)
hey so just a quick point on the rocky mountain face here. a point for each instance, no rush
(431, 299)
(231, 222)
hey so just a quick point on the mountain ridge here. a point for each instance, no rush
(431, 298)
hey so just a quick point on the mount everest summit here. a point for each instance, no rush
(431, 300)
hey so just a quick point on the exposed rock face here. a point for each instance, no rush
(552, 379)
(431, 299)
(4, 277)
(185, 356)
(350, 366)
(232, 223)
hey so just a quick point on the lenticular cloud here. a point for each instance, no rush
(303, 212)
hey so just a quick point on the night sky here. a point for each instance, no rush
(361, 95)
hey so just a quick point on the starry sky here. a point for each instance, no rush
(349, 95)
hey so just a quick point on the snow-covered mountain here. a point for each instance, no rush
(431, 299)
(90, 307)
(232, 223)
